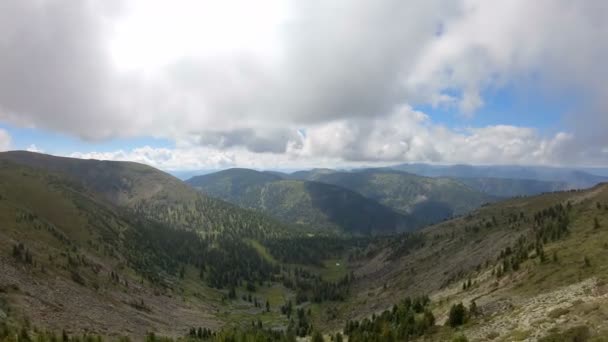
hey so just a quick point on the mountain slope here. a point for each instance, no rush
(575, 179)
(151, 193)
(309, 203)
(427, 200)
(76, 260)
(533, 266)
(78, 263)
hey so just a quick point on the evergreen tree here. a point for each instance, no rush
(317, 337)
(458, 315)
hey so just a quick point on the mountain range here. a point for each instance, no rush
(95, 249)
(314, 204)
(371, 201)
(573, 178)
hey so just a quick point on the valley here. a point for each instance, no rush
(303, 171)
(121, 250)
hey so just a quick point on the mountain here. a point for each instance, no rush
(80, 261)
(309, 174)
(524, 269)
(150, 192)
(426, 200)
(309, 203)
(82, 254)
(183, 175)
(507, 187)
(70, 260)
(574, 178)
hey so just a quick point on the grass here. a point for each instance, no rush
(334, 269)
(583, 242)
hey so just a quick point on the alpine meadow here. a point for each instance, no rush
(236, 171)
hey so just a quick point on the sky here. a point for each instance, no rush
(200, 84)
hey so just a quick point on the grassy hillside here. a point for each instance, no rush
(295, 201)
(68, 261)
(426, 200)
(151, 193)
(534, 267)
(72, 260)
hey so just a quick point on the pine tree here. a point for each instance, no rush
(457, 316)
(473, 310)
(555, 259)
(317, 337)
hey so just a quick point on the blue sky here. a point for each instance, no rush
(63, 144)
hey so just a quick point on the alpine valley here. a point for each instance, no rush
(95, 249)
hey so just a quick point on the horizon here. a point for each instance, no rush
(599, 171)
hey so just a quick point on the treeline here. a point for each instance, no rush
(211, 217)
(409, 319)
(549, 225)
(311, 287)
(251, 334)
(227, 261)
(312, 250)
(223, 261)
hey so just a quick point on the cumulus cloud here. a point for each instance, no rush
(408, 135)
(328, 81)
(404, 135)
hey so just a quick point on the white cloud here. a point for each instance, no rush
(216, 78)
(405, 135)
(5, 140)
(34, 148)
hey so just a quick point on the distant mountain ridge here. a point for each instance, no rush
(427, 200)
(509, 187)
(573, 178)
(417, 200)
(304, 202)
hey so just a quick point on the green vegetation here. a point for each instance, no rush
(425, 200)
(122, 258)
(322, 206)
(406, 321)
(508, 187)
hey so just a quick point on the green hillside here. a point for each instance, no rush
(425, 199)
(75, 262)
(524, 269)
(302, 202)
(71, 260)
(152, 193)
(504, 187)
